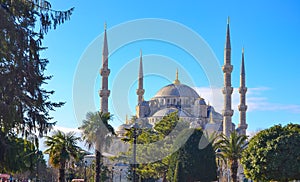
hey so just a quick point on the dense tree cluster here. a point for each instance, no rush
(175, 138)
(273, 154)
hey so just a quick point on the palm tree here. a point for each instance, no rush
(61, 148)
(231, 149)
(96, 132)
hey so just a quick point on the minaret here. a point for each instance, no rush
(104, 72)
(140, 91)
(227, 90)
(242, 90)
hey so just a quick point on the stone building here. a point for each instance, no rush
(181, 98)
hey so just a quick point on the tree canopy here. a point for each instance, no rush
(97, 132)
(62, 147)
(273, 154)
(24, 103)
(231, 149)
(190, 161)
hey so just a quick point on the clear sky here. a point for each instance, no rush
(268, 30)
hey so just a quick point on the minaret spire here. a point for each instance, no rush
(104, 72)
(242, 90)
(227, 90)
(140, 91)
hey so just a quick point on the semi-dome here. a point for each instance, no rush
(167, 111)
(177, 90)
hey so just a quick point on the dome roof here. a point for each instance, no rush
(122, 127)
(177, 90)
(167, 111)
(164, 112)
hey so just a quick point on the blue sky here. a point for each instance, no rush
(268, 30)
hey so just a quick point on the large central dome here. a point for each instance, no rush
(177, 90)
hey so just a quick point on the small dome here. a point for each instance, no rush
(122, 127)
(177, 90)
(200, 101)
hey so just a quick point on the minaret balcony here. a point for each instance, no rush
(243, 107)
(243, 126)
(228, 112)
(227, 90)
(227, 68)
(140, 91)
(104, 72)
(242, 90)
(104, 93)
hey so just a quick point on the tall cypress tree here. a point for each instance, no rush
(193, 163)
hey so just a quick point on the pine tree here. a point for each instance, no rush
(24, 103)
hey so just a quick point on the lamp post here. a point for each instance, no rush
(85, 164)
(120, 175)
(112, 173)
(134, 151)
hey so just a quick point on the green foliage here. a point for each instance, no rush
(96, 131)
(231, 150)
(178, 176)
(24, 104)
(196, 164)
(61, 148)
(16, 149)
(273, 154)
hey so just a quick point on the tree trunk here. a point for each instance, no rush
(61, 177)
(98, 166)
(234, 167)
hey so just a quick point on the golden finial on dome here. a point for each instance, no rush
(126, 119)
(211, 117)
(176, 81)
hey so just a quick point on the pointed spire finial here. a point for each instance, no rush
(243, 64)
(141, 65)
(227, 43)
(176, 81)
(105, 47)
(126, 119)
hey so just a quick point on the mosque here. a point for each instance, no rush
(181, 98)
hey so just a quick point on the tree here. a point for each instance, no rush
(231, 149)
(196, 164)
(16, 149)
(96, 131)
(24, 104)
(61, 148)
(273, 154)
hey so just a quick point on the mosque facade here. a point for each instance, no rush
(180, 98)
